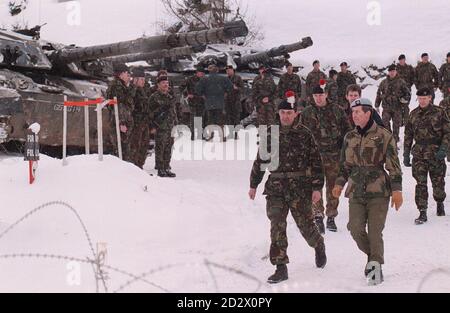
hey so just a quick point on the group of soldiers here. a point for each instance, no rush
(338, 139)
(143, 111)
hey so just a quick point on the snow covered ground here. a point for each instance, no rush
(172, 229)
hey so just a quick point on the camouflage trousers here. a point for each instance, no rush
(405, 114)
(233, 113)
(396, 116)
(266, 115)
(437, 170)
(125, 138)
(367, 218)
(278, 208)
(163, 149)
(140, 143)
(331, 170)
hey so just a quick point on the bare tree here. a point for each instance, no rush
(206, 14)
(16, 7)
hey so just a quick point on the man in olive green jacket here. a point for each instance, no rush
(368, 151)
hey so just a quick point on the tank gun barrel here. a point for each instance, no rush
(149, 44)
(265, 56)
(159, 54)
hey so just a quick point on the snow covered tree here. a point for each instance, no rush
(206, 14)
(16, 7)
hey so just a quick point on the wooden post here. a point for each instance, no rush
(86, 129)
(119, 140)
(65, 132)
(100, 132)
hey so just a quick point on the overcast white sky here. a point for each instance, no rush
(339, 28)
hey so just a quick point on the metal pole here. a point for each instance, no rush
(65, 132)
(86, 129)
(100, 132)
(119, 140)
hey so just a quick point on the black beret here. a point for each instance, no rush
(332, 73)
(401, 57)
(121, 68)
(138, 72)
(448, 55)
(315, 62)
(423, 92)
(318, 90)
(344, 64)
(285, 105)
(424, 54)
(392, 67)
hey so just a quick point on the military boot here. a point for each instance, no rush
(440, 209)
(162, 173)
(281, 274)
(320, 224)
(422, 219)
(321, 257)
(170, 174)
(331, 225)
(375, 278)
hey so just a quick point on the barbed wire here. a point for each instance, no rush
(97, 261)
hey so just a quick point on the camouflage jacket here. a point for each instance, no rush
(329, 126)
(299, 167)
(141, 111)
(426, 75)
(332, 91)
(391, 92)
(289, 82)
(429, 128)
(364, 161)
(445, 104)
(163, 110)
(313, 80)
(264, 87)
(343, 80)
(444, 76)
(235, 94)
(125, 97)
(406, 72)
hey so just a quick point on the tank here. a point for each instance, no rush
(36, 75)
(245, 60)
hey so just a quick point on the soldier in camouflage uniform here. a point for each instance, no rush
(163, 111)
(121, 89)
(196, 101)
(368, 151)
(332, 87)
(353, 92)
(406, 72)
(429, 128)
(313, 80)
(233, 105)
(140, 141)
(329, 124)
(393, 94)
(445, 103)
(295, 181)
(444, 77)
(426, 75)
(290, 81)
(263, 96)
(345, 78)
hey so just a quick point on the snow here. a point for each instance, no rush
(174, 226)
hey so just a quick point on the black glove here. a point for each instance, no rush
(441, 154)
